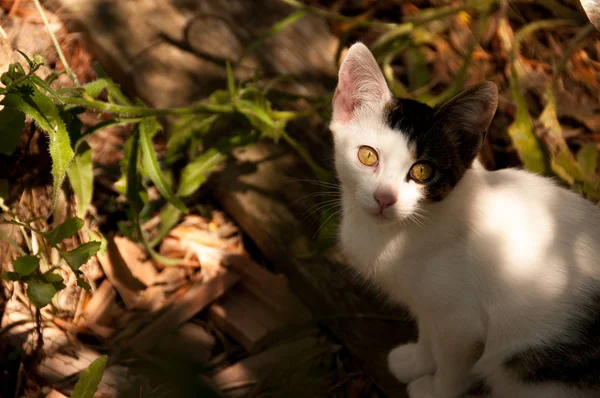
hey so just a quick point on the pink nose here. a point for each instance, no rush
(385, 199)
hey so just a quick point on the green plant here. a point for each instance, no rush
(34, 268)
(88, 382)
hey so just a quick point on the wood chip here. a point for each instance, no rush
(135, 258)
(200, 295)
(245, 318)
(55, 394)
(271, 289)
(97, 308)
(119, 274)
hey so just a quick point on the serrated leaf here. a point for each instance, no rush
(81, 254)
(150, 164)
(65, 230)
(41, 109)
(93, 89)
(73, 123)
(184, 129)
(194, 173)
(81, 177)
(88, 382)
(13, 123)
(10, 276)
(25, 265)
(40, 293)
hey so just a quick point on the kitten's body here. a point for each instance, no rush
(502, 271)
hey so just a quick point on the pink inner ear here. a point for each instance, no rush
(343, 103)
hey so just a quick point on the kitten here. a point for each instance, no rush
(500, 269)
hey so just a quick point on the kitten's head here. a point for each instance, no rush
(392, 155)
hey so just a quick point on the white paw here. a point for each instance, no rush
(422, 388)
(406, 362)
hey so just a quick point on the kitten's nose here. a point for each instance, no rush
(385, 198)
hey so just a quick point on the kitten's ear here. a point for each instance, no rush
(360, 83)
(469, 114)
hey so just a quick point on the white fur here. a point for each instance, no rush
(503, 263)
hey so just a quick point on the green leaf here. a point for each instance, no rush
(257, 115)
(97, 235)
(87, 385)
(150, 163)
(25, 265)
(184, 129)
(81, 177)
(81, 254)
(521, 132)
(93, 89)
(220, 97)
(41, 109)
(194, 173)
(52, 277)
(13, 123)
(40, 293)
(83, 284)
(65, 230)
(169, 217)
(587, 157)
(10, 276)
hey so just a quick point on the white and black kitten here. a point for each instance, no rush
(500, 269)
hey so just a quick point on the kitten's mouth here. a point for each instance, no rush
(381, 217)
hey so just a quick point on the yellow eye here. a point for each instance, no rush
(367, 156)
(421, 172)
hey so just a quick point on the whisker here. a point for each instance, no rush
(316, 182)
(321, 206)
(325, 222)
(315, 194)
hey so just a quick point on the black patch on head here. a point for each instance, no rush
(448, 136)
(447, 148)
(574, 361)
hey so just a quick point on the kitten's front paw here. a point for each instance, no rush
(408, 363)
(422, 388)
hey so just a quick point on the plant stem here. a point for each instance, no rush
(143, 111)
(333, 15)
(55, 42)
(318, 170)
(573, 45)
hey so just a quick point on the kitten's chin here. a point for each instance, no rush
(382, 218)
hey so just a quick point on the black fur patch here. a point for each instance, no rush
(438, 140)
(575, 362)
